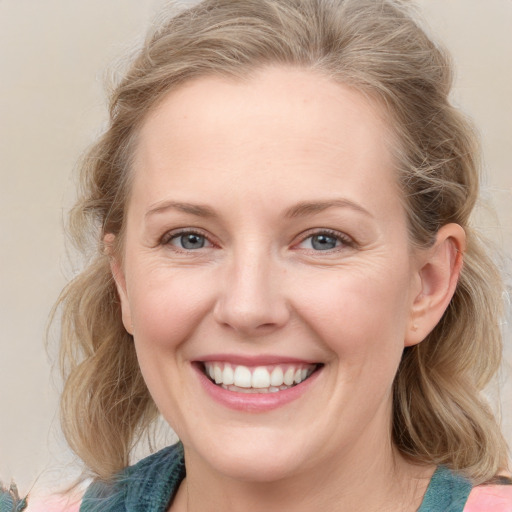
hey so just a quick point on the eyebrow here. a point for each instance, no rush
(301, 209)
(193, 209)
(306, 208)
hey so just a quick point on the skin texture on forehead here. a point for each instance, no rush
(189, 124)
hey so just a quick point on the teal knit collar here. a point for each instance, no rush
(447, 492)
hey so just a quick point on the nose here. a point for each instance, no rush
(252, 300)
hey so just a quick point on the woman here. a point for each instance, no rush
(286, 272)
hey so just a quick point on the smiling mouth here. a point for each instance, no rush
(258, 379)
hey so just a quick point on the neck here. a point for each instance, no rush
(355, 480)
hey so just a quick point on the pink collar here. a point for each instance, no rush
(487, 498)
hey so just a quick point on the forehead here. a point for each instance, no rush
(281, 125)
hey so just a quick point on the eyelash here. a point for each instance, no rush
(344, 240)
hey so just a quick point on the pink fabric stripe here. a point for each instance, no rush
(490, 498)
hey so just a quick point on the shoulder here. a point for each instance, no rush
(485, 498)
(151, 481)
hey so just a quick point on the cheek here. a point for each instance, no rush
(358, 313)
(167, 305)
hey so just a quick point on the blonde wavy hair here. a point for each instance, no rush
(377, 47)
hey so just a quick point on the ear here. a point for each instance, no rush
(438, 271)
(119, 277)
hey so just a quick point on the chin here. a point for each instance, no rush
(263, 468)
(260, 458)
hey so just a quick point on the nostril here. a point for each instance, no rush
(267, 326)
(251, 317)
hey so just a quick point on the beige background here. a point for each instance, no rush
(53, 55)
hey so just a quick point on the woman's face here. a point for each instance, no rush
(266, 245)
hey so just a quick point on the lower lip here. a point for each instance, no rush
(255, 402)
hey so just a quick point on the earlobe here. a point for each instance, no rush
(438, 272)
(120, 280)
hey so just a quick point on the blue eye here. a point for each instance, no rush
(189, 241)
(325, 241)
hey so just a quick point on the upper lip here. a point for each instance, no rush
(259, 360)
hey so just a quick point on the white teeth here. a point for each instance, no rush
(289, 376)
(260, 379)
(277, 377)
(228, 377)
(242, 377)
